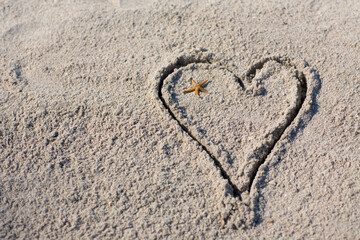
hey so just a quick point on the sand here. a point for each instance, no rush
(98, 139)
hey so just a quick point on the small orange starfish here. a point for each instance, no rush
(196, 87)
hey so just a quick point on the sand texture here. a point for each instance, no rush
(99, 140)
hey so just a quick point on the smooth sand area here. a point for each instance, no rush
(99, 140)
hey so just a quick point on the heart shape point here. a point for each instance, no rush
(239, 121)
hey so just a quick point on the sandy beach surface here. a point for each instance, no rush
(99, 140)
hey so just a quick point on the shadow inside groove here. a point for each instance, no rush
(303, 89)
(182, 62)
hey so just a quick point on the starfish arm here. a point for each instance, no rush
(197, 92)
(203, 90)
(193, 82)
(189, 90)
(203, 82)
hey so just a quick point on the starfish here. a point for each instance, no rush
(196, 87)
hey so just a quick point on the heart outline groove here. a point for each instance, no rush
(299, 115)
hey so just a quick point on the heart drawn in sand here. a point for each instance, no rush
(242, 118)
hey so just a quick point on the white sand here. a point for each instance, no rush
(98, 140)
